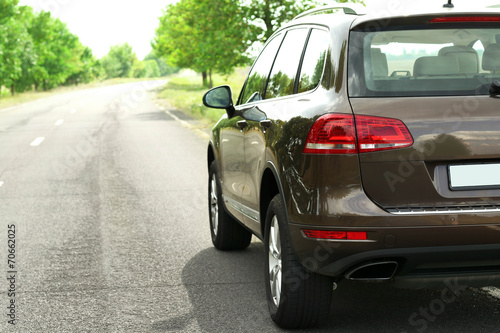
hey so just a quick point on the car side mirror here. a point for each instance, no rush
(220, 98)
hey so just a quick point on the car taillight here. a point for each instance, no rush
(332, 134)
(335, 235)
(453, 19)
(336, 134)
(375, 134)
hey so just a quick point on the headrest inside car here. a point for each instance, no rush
(491, 57)
(436, 65)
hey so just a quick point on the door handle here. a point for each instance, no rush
(266, 123)
(242, 124)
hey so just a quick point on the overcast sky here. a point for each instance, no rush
(101, 24)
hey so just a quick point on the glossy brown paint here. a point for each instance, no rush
(446, 130)
(353, 192)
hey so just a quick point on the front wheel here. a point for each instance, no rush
(297, 297)
(227, 233)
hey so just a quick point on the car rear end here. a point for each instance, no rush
(420, 201)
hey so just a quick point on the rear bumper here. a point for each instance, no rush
(426, 256)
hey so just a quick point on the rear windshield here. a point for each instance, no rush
(423, 62)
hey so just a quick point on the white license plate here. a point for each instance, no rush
(474, 176)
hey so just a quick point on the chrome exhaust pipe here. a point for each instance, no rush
(373, 271)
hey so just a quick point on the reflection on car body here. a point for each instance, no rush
(363, 147)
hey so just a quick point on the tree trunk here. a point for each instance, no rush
(204, 77)
(211, 83)
(12, 89)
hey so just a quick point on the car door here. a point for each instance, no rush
(279, 105)
(233, 133)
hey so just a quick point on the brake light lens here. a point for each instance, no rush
(332, 134)
(375, 134)
(337, 134)
(335, 235)
(466, 19)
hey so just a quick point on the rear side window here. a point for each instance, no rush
(424, 62)
(282, 79)
(314, 60)
(257, 79)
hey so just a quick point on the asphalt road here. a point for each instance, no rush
(104, 194)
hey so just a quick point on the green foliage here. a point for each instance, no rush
(8, 8)
(59, 52)
(151, 69)
(37, 50)
(204, 35)
(269, 15)
(14, 39)
(119, 62)
(184, 92)
(164, 68)
(207, 35)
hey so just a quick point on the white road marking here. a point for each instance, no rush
(37, 141)
(188, 125)
(495, 292)
(59, 122)
(1, 183)
(73, 111)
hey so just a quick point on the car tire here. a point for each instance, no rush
(297, 297)
(227, 233)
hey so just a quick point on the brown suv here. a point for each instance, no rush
(363, 147)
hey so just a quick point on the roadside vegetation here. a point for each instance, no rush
(217, 36)
(213, 38)
(38, 53)
(184, 92)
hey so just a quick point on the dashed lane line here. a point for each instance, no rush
(37, 141)
(59, 122)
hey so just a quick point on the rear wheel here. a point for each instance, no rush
(297, 297)
(227, 233)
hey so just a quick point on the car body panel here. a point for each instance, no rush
(401, 198)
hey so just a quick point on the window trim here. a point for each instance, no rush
(276, 35)
(310, 27)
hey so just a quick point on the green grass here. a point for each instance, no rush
(185, 92)
(7, 100)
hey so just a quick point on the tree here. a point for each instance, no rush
(151, 69)
(16, 48)
(268, 15)
(8, 8)
(58, 51)
(164, 68)
(204, 35)
(119, 62)
(88, 68)
(27, 55)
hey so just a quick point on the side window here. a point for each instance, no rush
(314, 60)
(256, 82)
(282, 79)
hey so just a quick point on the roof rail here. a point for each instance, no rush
(347, 9)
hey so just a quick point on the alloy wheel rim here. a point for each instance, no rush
(214, 207)
(275, 266)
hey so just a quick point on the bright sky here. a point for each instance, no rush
(101, 24)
